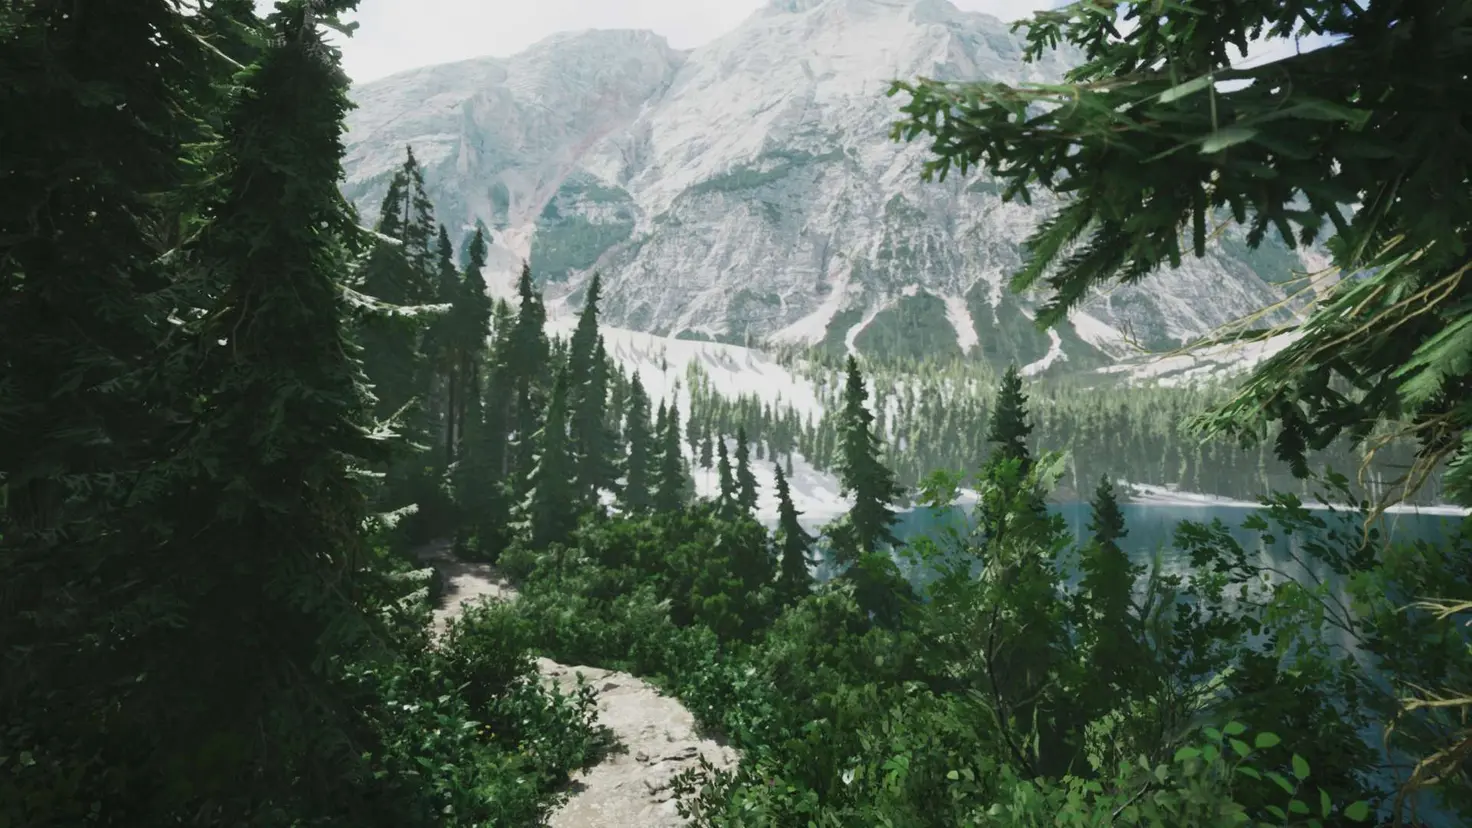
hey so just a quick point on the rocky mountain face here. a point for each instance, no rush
(749, 188)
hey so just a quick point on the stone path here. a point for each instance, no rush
(657, 735)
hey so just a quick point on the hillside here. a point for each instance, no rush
(749, 188)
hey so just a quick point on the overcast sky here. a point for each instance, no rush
(395, 35)
(403, 34)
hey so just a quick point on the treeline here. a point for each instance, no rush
(933, 415)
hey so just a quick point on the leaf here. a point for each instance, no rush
(1281, 782)
(1234, 729)
(1300, 767)
(1248, 771)
(1241, 748)
(1266, 740)
(1227, 137)
(1187, 753)
(1358, 812)
(1324, 804)
(1297, 806)
(1190, 87)
(952, 775)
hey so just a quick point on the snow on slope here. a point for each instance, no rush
(1201, 365)
(749, 185)
(732, 371)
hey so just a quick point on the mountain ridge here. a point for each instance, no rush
(748, 188)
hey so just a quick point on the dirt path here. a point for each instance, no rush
(631, 788)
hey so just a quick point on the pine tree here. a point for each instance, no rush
(269, 538)
(480, 468)
(592, 444)
(692, 429)
(636, 497)
(674, 483)
(1009, 428)
(1106, 591)
(1106, 523)
(551, 507)
(727, 495)
(746, 497)
(705, 451)
(524, 364)
(863, 475)
(86, 295)
(795, 579)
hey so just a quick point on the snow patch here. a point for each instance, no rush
(1145, 493)
(1203, 364)
(1055, 353)
(960, 318)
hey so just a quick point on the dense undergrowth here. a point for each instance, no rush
(1009, 698)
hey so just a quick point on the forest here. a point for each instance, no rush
(231, 415)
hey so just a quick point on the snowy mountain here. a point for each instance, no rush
(749, 188)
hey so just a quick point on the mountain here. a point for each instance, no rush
(749, 188)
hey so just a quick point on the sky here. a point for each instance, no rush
(395, 35)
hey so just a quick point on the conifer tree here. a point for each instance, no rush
(636, 497)
(1107, 589)
(862, 474)
(268, 537)
(550, 507)
(85, 293)
(727, 481)
(746, 497)
(592, 446)
(692, 429)
(705, 451)
(794, 579)
(674, 483)
(526, 360)
(1009, 427)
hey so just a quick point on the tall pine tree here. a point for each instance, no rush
(745, 481)
(550, 507)
(872, 486)
(674, 484)
(636, 496)
(794, 544)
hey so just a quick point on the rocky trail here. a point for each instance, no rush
(657, 736)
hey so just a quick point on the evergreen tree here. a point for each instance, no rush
(551, 507)
(1009, 427)
(268, 536)
(1106, 591)
(746, 497)
(593, 445)
(526, 360)
(862, 474)
(636, 497)
(705, 451)
(479, 470)
(86, 293)
(674, 484)
(1106, 522)
(794, 579)
(723, 470)
(692, 429)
